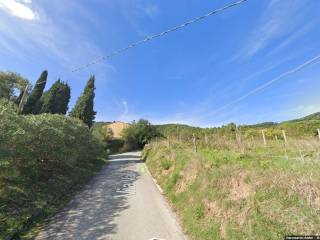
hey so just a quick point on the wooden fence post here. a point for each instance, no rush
(206, 140)
(301, 155)
(285, 143)
(194, 143)
(264, 138)
(318, 133)
(239, 141)
(252, 142)
(284, 136)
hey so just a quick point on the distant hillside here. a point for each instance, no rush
(262, 125)
(313, 116)
(306, 126)
(116, 128)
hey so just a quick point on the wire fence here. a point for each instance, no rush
(305, 149)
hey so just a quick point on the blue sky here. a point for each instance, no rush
(183, 77)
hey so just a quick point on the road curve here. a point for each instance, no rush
(121, 203)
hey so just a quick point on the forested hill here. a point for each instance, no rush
(306, 126)
(313, 116)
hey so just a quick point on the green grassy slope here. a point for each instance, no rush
(222, 193)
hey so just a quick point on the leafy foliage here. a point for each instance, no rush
(84, 106)
(12, 86)
(30, 105)
(41, 158)
(111, 144)
(139, 133)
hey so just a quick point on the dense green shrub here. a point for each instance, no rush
(139, 133)
(41, 158)
(115, 145)
(111, 145)
(45, 138)
(12, 83)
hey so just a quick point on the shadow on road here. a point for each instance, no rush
(90, 215)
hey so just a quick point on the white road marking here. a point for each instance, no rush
(127, 185)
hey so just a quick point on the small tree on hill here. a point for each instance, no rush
(84, 106)
(55, 100)
(139, 133)
(36, 93)
(12, 86)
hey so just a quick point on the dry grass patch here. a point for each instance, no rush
(238, 188)
(187, 176)
(306, 186)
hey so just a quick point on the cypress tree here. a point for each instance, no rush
(38, 106)
(55, 100)
(36, 93)
(84, 106)
(46, 102)
(62, 99)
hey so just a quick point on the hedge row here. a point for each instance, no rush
(41, 157)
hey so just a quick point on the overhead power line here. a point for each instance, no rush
(152, 37)
(302, 66)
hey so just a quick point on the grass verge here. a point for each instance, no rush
(225, 194)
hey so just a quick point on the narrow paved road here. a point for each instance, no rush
(121, 203)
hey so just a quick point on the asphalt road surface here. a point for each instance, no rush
(121, 203)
